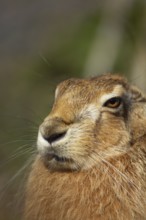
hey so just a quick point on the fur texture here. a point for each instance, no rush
(92, 154)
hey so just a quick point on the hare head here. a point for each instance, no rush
(92, 120)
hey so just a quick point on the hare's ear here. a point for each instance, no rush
(137, 95)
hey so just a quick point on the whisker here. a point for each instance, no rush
(18, 173)
(16, 141)
(14, 156)
(20, 117)
(24, 129)
(28, 135)
(124, 177)
(118, 171)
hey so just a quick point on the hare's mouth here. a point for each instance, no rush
(58, 158)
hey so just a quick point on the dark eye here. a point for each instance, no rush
(113, 102)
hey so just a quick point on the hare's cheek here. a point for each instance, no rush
(81, 138)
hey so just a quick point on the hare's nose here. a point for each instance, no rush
(53, 130)
(55, 137)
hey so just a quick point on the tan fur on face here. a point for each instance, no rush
(104, 173)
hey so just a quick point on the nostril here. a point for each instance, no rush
(55, 137)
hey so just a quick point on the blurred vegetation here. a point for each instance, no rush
(38, 50)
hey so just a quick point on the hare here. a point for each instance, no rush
(91, 162)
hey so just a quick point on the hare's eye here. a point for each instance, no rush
(113, 102)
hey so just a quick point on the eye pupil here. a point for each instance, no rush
(113, 102)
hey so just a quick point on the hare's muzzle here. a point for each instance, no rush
(51, 138)
(53, 130)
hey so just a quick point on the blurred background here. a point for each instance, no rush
(44, 42)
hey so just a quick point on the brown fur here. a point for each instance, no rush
(104, 177)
